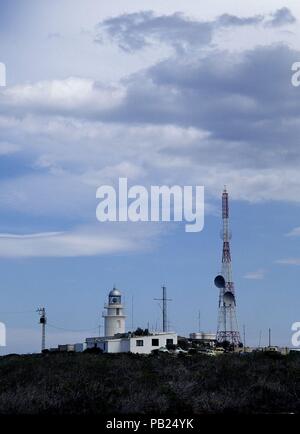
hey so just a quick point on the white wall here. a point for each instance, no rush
(114, 346)
(126, 345)
(147, 342)
(114, 324)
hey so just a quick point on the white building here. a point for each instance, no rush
(132, 343)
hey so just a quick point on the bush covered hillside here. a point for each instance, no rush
(69, 383)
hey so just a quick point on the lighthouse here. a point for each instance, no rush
(114, 317)
(116, 340)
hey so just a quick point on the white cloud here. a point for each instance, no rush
(294, 232)
(202, 119)
(72, 95)
(288, 261)
(85, 241)
(255, 275)
(7, 148)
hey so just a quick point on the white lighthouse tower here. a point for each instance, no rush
(114, 318)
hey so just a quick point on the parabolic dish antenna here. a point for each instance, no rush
(220, 281)
(228, 298)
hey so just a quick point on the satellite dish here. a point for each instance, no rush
(228, 298)
(220, 281)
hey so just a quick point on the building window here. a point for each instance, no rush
(169, 341)
(155, 342)
(140, 343)
(118, 311)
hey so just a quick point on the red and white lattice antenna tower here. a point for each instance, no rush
(227, 321)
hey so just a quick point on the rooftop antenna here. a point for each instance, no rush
(165, 300)
(43, 321)
(199, 321)
(269, 337)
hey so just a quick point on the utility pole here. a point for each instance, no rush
(43, 321)
(269, 337)
(132, 313)
(199, 321)
(165, 300)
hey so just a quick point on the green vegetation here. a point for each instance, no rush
(85, 383)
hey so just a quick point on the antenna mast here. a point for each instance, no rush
(227, 322)
(165, 300)
(43, 321)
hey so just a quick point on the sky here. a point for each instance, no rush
(168, 93)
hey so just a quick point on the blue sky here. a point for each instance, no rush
(170, 93)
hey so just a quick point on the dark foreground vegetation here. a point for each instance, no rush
(124, 384)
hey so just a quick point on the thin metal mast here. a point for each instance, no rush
(164, 300)
(259, 341)
(165, 310)
(132, 313)
(43, 321)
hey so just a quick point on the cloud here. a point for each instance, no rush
(255, 275)
(83, 241)
(185, 120)
(281, 17)
(222, 89)
(67, 159)
(227, 20)
(7, 148)
(209, 91)
(294, 232)
(135, 31)
(288, 261)
(72, 96)
(210, 118)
